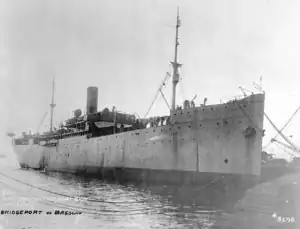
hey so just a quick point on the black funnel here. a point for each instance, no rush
(92, 100)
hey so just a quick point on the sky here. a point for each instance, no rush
(124, 48)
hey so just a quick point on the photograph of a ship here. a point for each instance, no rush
(217, 145)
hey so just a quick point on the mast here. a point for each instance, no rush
(176, 65)
(52, 105)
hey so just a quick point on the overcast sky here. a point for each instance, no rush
(124, 48)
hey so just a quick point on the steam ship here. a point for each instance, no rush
(193, 144)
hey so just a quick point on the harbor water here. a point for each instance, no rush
(31, 199)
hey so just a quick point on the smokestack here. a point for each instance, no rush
(92, 100)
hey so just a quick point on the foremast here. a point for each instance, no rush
(175, 65)
(52, 105)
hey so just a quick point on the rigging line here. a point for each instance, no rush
(43, 119)
(165, 99)
(65, 195)
(285, 125)
(287, 147)
(286, 152)
(281, 134)
(168, 75)
(155, 97)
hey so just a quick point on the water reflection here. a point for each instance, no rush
(136, 205)
(104, 204)
(158, 205)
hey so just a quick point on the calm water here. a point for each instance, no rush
(109, 205)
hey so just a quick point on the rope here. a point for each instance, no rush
(283, 126)
(155, 97)
(209, 184)
(166, 101)
(92, 210)
(168, 75)
(65, 195)
(40, 124)
(261, 130)
(281, 134)
(106, 212)
(95, 200)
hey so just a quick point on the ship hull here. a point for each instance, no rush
(203, 144)
(29, 156)
(209, 190)
(220, 190)
(172, 177)
(136, 175)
